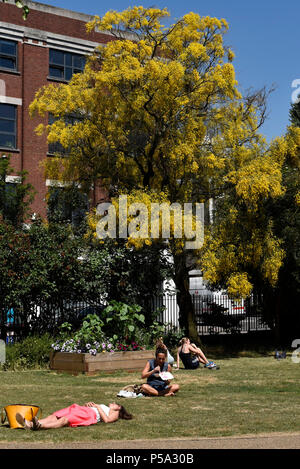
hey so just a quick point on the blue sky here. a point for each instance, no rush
(264, 35)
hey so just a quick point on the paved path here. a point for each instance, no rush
(269, 441)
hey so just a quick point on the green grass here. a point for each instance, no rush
(248, 395)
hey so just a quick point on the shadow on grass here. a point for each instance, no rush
(249, 345)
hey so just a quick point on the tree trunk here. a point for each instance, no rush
(187, 319)
(277, 328)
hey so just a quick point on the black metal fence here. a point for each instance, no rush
(214, 314)
(218, 314)
(18, 321)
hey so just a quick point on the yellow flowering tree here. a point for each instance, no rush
(158, 108)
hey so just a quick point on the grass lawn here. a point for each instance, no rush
(246, 396)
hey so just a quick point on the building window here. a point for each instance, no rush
(8, 126)
(62, 64)
(9, 201)
(68, 205)
(56, 148)
(8, 54)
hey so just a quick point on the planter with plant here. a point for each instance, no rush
(101, 344)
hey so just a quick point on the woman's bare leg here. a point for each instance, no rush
(171, 390)
(202, 360)
(149, 390)
(200, 355)
(53, 422)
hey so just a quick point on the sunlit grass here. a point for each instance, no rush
(246, 396)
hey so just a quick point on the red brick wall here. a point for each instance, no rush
(50, 22)
(34, 148)
(33, 70)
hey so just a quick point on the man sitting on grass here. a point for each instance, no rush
(156, 386)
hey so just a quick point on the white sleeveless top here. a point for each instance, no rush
(105, 410)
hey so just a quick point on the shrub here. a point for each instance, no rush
(172, 338)
(32, 352)
(123, 319)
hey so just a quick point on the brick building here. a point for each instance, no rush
(48, 47)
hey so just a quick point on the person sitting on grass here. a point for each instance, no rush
(191, 356)
(76, 416)
(155, 385)
(160, 344)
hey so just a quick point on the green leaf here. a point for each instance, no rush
(25, 13)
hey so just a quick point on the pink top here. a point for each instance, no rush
(78, 415)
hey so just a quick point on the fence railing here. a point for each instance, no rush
(218, 314)
(215, 314)
(47, 316)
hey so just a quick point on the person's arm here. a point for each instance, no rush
(112, 416)
(169, 370)
(147, 372)
(194, 349)
(178, 358)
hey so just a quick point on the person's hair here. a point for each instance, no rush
(184, 340)
(123, 414)
(159, 342)
(160, 350)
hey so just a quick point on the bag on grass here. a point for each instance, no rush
(27, 411)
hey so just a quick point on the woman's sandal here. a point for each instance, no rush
(35, 424)
(27, 424)
(23, 422)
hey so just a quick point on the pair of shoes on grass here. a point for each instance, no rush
(211, 366)
(280, 356)
(34, 424)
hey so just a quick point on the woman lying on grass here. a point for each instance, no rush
(76, 416)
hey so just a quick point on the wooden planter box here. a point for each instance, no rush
(76, 363)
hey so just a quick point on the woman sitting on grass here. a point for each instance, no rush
(156, 386)
(76, 416)
(191, 356)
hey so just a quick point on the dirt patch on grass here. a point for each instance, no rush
(200, 380)
(117, 379)
(201, 408)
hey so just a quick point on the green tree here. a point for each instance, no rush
(160, 111)
(282, 302)
(47, 266)
(15, 199)
(295, 114)
(37, 265)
